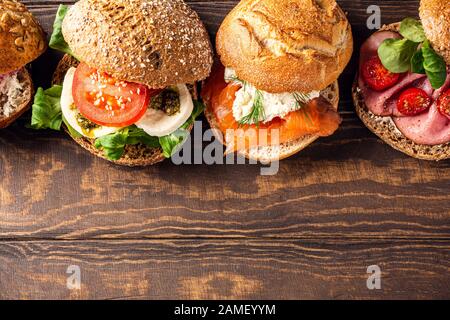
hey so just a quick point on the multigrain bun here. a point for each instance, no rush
(266, 154)
(435, 16)
(15, 96)
(21, 38)
(286, 45)
(153, 42)
(385, 128)
(135, 155)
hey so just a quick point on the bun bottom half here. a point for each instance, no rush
(134, 156)
(267, 154)
(23, 102)
(385, 128)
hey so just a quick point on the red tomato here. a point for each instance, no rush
(413, 101)
(377, 76)
(444, 104)
(107, 101)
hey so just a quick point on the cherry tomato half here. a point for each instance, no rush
(377, 76)
(413, 101)
(443, 104)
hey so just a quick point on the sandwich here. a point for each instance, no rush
(274, 90)
(126, 89)
(402, 90)
(22, 40)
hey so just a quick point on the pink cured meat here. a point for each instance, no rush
(429, 128)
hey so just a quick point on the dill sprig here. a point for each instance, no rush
(257, 113)
(301, 99)
(234, 78)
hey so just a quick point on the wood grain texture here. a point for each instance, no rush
(224, 231)
(224, 269)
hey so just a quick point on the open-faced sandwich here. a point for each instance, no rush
(126, 88)
(22, 40)
(275, 90)
(402, 91)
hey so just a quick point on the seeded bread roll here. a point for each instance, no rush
(435, 16)
(154, 42)
(21, 38)
(385, 128)
(267, 154)
(286, 45)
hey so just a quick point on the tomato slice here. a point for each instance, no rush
(443, 104)
(377, 76)
(413, 101)
(107, 101)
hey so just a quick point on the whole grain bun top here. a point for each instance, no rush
(21, 38)
(286, 45)
(153, 42)
(435, 16)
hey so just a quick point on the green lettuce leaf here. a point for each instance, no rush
(46, 109)
(173, 142)
(57, 41)
(113, 145)
(74, 133)
(434, 65)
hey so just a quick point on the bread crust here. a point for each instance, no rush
(304, 45)
(385, 128)
(264, 154)
(134, 155)
(435, 16)
(25, 77)
(22, 39)
(157, 43)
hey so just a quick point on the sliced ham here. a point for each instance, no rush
(423, 83)
(376, 101)
(430, 127)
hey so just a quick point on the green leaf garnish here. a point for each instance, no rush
(57, 41)
(417, 63)
(171, 143)
(396, 54)
(113, 145)
(412, 30)
(402, 55)
(434, 65)
(46, 109)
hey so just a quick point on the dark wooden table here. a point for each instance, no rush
(198, 231)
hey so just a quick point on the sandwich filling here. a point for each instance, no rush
(12, 90)
(165, 112)
(416, 99)
(249, 117)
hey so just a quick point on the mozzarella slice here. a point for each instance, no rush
(70, 111)
(157, 123)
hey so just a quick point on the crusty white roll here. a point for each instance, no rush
(286, 45)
